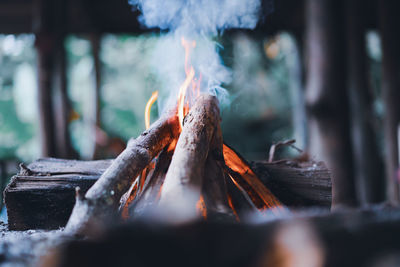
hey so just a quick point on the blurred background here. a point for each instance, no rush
(75, 78)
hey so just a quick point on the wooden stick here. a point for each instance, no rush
(184, 178)
(240, 200)
(214, 190)
(240, 171)
(102, 199)
(152, 190)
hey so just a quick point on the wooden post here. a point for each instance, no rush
(368, 165)
(54, 105)
(389, 25)
(44, 45)
(326, 95)
(95, 43)
(298, 93)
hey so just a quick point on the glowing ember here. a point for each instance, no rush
(201, 207)
(233, 208)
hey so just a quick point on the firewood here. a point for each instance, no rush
(152, 190)
(184, 178)
(101, 201)
(297, 184)
(240, 171)
(214, 189)
(44, 195)
(215, 193)
(239, 199)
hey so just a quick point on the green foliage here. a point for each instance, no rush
(18, 117)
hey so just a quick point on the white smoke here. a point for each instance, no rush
(198, 20)
(201, 16)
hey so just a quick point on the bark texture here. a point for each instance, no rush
(184, 178)
(103, 198)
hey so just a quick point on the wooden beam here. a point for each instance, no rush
(389, 25)
(326, 95)
(368, 164)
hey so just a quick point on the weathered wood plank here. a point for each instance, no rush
(297, 183)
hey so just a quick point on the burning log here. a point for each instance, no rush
(241, 173)
(150, 196)
(184, 178)
(101, 202)
(214, 189)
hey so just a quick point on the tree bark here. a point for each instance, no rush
(95, 40)
(326, 95)
(368, 165)
(102, 200)
(62, 103)
(54, 105)
(45, 93)
(297, 184)
(214, 189)
(389, 25)
(184, 178)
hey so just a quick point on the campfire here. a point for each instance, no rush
(179, 166)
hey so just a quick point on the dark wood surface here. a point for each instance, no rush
(296, 184)
(43, 195)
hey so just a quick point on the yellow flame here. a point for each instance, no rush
(150, 103)
(182, 94)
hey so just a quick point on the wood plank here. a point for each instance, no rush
(297, 183)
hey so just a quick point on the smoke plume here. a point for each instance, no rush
(201, 21)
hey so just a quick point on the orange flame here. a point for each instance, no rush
(190, 80)
(255, 186)
(182, 94)
(201, 207)
(149, 104)
(233, 208)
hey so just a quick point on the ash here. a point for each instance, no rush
(24, 248)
